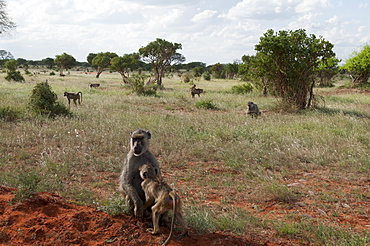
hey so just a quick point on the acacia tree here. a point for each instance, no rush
(359, 66)
(125, 64)
(161, 54)
(102, 61)
(64, 61)
(49, 62)
(288, 61)
(12, 72)
(6, 25)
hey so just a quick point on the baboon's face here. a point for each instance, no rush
(140, 141)
(137, 145)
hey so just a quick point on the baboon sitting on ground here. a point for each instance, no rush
(194, 91)
(164, 198)
(130, 179)
(74, 97)
(94, 85)
(253, 109)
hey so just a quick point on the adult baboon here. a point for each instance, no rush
(94, 85)
(194, 91)
(164, 198)
(130, 180)
(74, 97)
(253, 109)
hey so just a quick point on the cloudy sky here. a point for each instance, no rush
(210, 31)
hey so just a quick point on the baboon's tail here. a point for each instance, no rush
(173, 196)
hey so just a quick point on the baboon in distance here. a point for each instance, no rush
(74, 97)
(194, 91)
(130, 180)
(164, 198)
(253, 109)
(94, 85)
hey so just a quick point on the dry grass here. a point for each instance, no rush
(250, 171)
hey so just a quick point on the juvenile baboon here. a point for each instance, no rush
(130, 180)
(74, 97)
(94, 85)
(253, 109)
(164, 198)
(194, 91)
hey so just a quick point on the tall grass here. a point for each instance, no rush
(81, 157)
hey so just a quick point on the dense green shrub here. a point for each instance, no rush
(242, 89)
(9, 114)
(15, 76)
(207, 76)
(12, 73)
(44, 102)
(140, 87)
(206, 104)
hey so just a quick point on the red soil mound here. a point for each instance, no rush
(48, 219)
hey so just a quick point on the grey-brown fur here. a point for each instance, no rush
(130, 180)
(253, 109)
(194, 91)
(164, 198)
(73, 96)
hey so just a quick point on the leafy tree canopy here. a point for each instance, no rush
(125, 64)
(64, 61)
(102, 61)
(161, 54)
(288, 60)
(359, 66)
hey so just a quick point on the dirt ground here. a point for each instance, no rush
(48, 219)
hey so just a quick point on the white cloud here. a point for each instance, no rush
(203, 16)
(334, 20)
(48, 28)
(363, 5)
(362, 29)
(311, 5)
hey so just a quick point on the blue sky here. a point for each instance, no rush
(210, 31)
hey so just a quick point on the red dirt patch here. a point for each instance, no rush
(48, 219)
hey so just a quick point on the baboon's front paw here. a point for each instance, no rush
(138, 212)
(151, 231)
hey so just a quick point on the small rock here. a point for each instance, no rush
(308, 216)
(311, 193)
(301, 204)
(345, 205)
(322, 212)
(308, 174)
(294, 185)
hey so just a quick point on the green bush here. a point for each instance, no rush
(44, 102)
(9, 114)
(206, 104)
(207, 76)
(15, 76)
(138, 86)
(242, 89)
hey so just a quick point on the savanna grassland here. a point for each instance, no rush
(297, 178)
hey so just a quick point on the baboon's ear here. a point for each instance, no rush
(149, 134)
